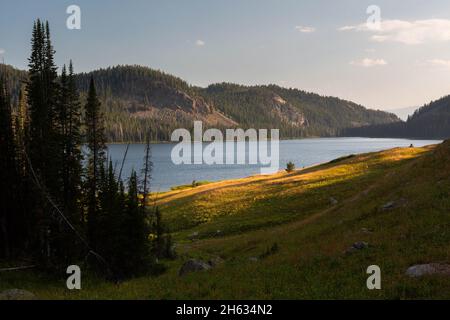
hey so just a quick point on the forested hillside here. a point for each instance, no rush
(297, 113)
(138, 101)
(14, 79)
(432, 121)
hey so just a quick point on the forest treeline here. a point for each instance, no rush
(61, 205)
(432, 121)
(319, 116)
(137, 100)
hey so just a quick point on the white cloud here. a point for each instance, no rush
(439, 63)
(200, 43)
(348, 28)
(2, 51)
(407, 32)
(367, 62)
(305, 29)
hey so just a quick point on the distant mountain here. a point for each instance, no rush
(432, 121)
(138, 100)
(404, 113)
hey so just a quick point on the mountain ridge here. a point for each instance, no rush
(431, 121)
(139, 100)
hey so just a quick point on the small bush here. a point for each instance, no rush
(290, 167)
(194, 184)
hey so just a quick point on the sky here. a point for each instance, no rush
(323, 46)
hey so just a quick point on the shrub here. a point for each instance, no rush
(290, 167)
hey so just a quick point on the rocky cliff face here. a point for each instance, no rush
(287, 113)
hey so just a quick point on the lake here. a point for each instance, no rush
(302, 153)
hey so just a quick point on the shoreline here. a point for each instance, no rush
(287, 139)
(185, 186)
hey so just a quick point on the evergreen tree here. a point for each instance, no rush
(41, 162)
(95, 138)
(42, 147)
(73, 145)
(147, 172)
(67, 122)
(136, 230)
(162, 245)
(109, 229)
(69, 128)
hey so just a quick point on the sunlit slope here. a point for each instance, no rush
(262, 201)
(287, 236)
(397, 201)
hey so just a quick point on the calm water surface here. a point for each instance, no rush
(305, 152)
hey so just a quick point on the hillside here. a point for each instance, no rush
(15, 78)
(297, 113)
(137, 100)
(432, 121)
(289, 235)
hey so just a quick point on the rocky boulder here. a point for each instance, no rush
(420, 270)
(193, 265)
(357, 246)
(16, 294)
(333, 201)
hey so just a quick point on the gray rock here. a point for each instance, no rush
(17, 294)
(420, 270)
(253, 259)
(360, 245)
(388, 206)
(193, 265)
(333, 201)
(357, 246)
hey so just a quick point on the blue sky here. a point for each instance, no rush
(320, 46)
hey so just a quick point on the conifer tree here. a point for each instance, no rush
(95, 139)
(67, 123)
(147, 172)
(73, 145)
(42, 147)
(136, 229)
(109, 228)
(69, 129)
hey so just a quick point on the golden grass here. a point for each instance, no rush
(294, 211)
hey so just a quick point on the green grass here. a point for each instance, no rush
(294, 211)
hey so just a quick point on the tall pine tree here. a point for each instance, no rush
(95, 139)
(44, 148)
(69, 113)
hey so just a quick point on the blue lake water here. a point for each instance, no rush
(302, 153)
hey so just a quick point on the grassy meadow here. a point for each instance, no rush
(285, 236)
